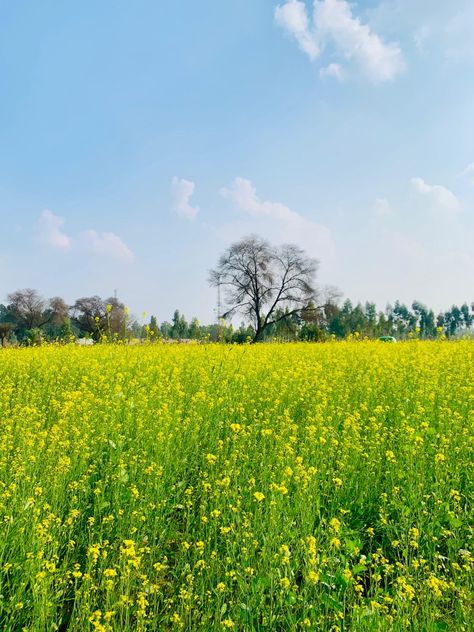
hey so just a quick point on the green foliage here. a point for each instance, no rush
(109, 320)
(204, 487)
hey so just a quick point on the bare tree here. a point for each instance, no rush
(26, 308)
(57, 311)
(98, 318)
(266, 284)
(90, 313)
(117, 318)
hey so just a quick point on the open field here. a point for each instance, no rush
(272, 487)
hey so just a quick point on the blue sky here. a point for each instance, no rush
(138, 140)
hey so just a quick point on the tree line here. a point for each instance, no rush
(28, 319)
(273, 289)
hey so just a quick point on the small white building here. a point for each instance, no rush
(84, 342)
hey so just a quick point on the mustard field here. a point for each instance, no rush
(266, 487)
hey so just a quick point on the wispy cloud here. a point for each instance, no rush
(444, 28)
(422, 34)
(293, 17)
(181, 192)
(441, 197)
(333, 70)
(333, 24)
(469, 173)
(279, 222)
(459, 34)
(382, 208)
(50, 231)
(106, 244)
(244, 196)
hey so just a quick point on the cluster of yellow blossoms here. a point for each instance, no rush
(206, 487)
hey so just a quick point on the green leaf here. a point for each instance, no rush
(455, 522)
(331, 602)
(123, 476)
(359, 568)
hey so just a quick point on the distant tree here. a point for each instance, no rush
(311, 323)
(117, 319)
(243, 334)
(467, 316)
(100, 318)
(259, 279)
(179, 328)
(384, 327)
(66, 331)
(166, 329)
(342, 322)
(440, 321)
(195, 330)
(33, 337)
(211, 332)
(331, 320)
(153, 329)
(57, 324)
(57, 310)
(453, 320)
(336, 324)
(90, 315)
(4, 313)
(358, 319)
(287, 325)
(425, 320)
(26, 309)
(6, 327)
(317, 322)
(404, 320)
(430, 324)
(5, 331)
(370, 312)
(310, 331)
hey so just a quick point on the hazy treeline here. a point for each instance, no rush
(28, 318)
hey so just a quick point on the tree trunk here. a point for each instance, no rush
(258, 335)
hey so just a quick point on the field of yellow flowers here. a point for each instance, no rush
(273, 487)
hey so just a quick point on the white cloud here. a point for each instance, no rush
(459, 34)
(333, 70)
(50, 231)
(279, 222)
(244, 196)
(422, 34)
(333, 24)
(293, 17)
(181, 193)
(105, 245)
(356, 41)
(469, 173)
(439, 195)
(382, 208)
(441, 28)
